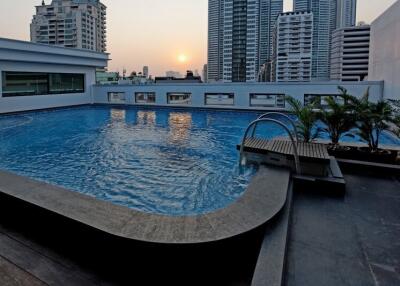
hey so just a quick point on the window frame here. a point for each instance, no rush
(268, 94)
(189, 102)
(147, 93)
(120, 101)
(230, 94)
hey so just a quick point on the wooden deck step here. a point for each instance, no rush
(307, 151)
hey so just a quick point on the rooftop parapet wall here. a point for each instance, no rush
(241, 93)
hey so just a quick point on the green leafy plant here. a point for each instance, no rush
(337, 116)
(372, 118)
(306, 117)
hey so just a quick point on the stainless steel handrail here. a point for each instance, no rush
(280, 114)
(277, 122)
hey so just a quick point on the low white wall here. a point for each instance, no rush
(384, 61)
(21, 103)
(241, 91)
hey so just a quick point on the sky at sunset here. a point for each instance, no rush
(163, 34)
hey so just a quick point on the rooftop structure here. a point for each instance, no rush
(189, 78)
(36, 76)
(71, 23)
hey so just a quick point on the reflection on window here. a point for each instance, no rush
(116, 97)
(219, 98)
(179, 98)
(267, 100)
(145, 97)
(31, 83)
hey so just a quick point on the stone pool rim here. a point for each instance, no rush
(263, 199)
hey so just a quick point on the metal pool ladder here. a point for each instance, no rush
(264, 118)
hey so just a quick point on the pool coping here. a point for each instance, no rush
(264, 198)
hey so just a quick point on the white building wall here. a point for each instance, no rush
(384, 63)
(241, 92)
(20, 56)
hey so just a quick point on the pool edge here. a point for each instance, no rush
(263, 200)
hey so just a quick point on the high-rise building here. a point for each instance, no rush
(293, 47)
(146, 71)
(240, 38)
(346, 13)
(323, 13)
(215, 40)
(350, 53)
(71, 23)
(328, 16)
(205, 79)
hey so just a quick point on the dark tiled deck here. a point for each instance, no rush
(333, 241)
(349, 241)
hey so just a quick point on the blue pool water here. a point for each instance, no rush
(163, 161)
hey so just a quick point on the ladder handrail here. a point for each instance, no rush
(265, 115)
(294, 144)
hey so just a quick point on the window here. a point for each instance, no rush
(179, 98)
(66, 83)
(145, 97)
(219, 99)
(320, 100)
(267, 100)
(116, 97)
(30, 83)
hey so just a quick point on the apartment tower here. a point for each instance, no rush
(293, 47)
(71, 23)
(240, 38)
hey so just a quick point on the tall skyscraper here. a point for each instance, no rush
(146, 71)
(71, 23)
(328, 16)
(323, 13)
(205, 79)
(215, 40)
(346, 13)
(240, 38)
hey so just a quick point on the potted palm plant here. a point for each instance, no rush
(337, 117)
(306, 119)
(372, 119)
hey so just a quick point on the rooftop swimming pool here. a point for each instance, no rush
(164, 161)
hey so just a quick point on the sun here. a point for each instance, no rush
(182, 58)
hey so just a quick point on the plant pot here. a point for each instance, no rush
(338, 150)
(377, 156)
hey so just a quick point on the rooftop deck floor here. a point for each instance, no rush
(348, 241)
